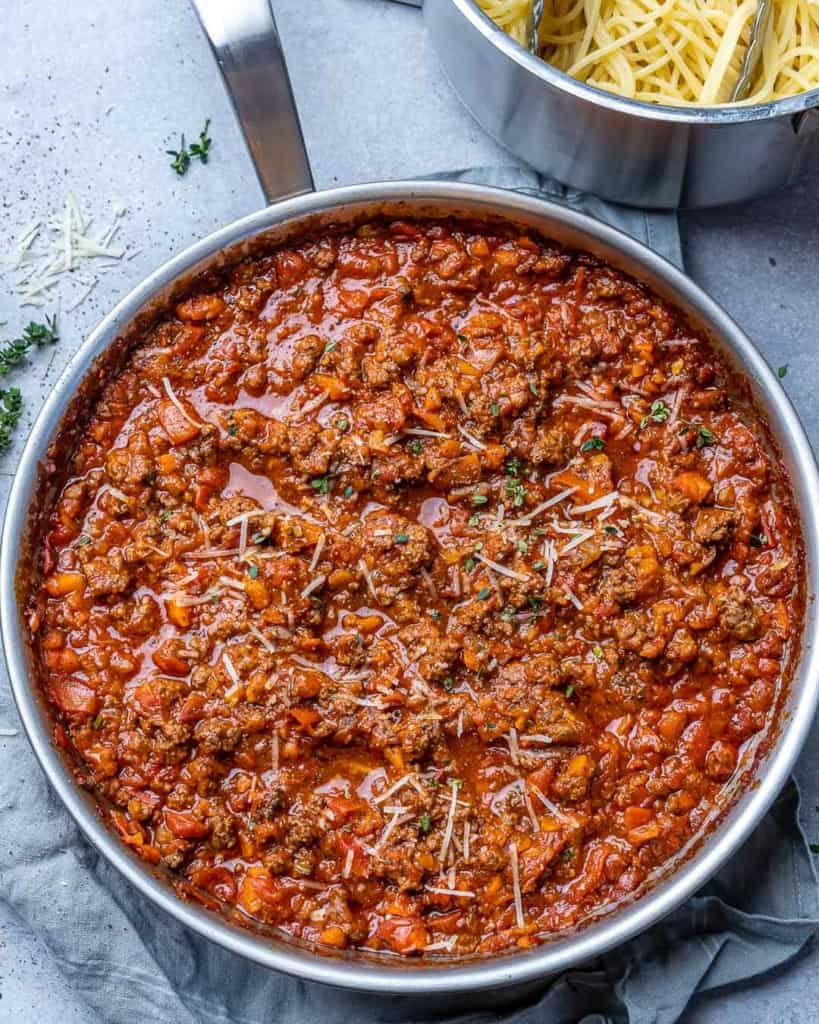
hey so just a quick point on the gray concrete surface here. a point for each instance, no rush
(92, 93)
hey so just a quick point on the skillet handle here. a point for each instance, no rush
(248, 50)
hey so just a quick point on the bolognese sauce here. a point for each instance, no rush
(417, 588)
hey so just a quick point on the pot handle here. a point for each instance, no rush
(248, 50)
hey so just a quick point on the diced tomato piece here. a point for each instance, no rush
(171, 664)
(188, 337)
(186, 825)
(73, 697)
(218, 881)
(636, 816)
(148, 698)
(193, 708)
(341, 808)
(306, 717)
(177, 426)
(360, 861)
(404, 934)
(260, 892)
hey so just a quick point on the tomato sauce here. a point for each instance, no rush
(418, 589)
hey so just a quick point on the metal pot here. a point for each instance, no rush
(81, 379)
(629, 152)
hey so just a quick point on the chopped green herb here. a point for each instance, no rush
(253, 571)
(165, 516)
(425, 823)
(435, 614)
(597, 651)
(201, 149)
(330, 347)
(402, 538)
(538, 565)
(494, 408)
(479, 499)
(261, 535)
(11, 409)
(416, 447)
(448, 682)
(568, 854)
(512, 466)
(469, 563)
(516, 491)
(181, 157)
(704, 439)
(610, 529)
(594, 444)
(348, 491)
(507, 614)
(523, 547)
(658, 413)
(758, 540)
(98, 722)
(198, 151)
(83, 541)
(782, 371)
(320, 484)
(475, 520)
(484, 593)
(462, 337)
(342, 424)
(533, 389)
(34, 336)
(570, 691)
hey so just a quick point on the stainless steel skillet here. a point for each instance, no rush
(289, 218)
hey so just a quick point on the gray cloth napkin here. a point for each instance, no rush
(105, 955)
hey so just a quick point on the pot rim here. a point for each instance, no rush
(723, 115)
(616, 927)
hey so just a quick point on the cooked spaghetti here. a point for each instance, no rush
(678, 52)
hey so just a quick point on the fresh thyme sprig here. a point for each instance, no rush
(11, 409)
(201, 149)
(181, 157)
(198, 151)
(34, 336)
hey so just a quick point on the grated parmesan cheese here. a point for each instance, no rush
(501, 568)
(470, 438)
(313, 585)
(450, 822)
(261, 638)
(421, 432)
(555, 500)
(593, 506)
(365, 572)
(513, 859)
(230, 668)
(314, 561)
(48, 255)
(442, 891)
(169, 391)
